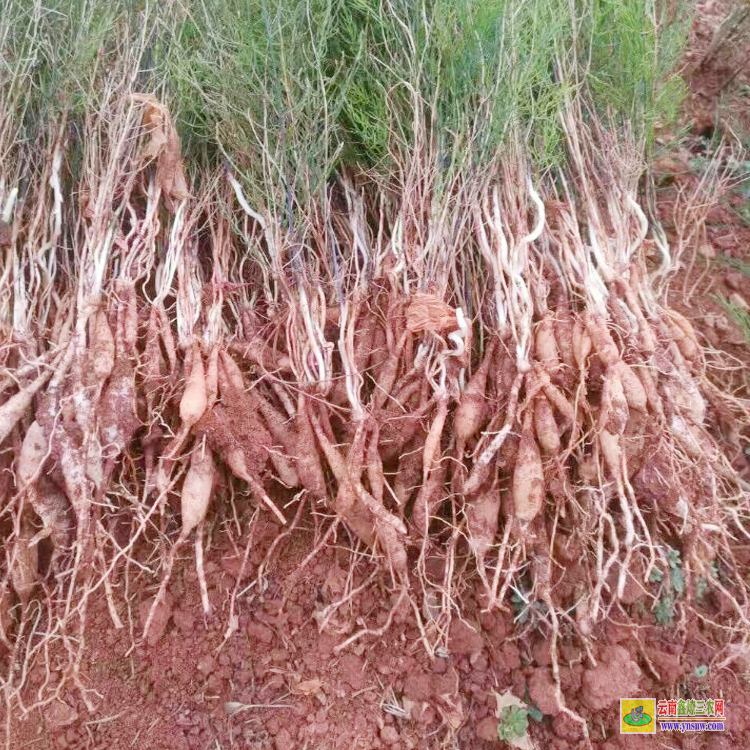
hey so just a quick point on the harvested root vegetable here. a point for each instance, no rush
(634, 441)
(434, 436)
(388, 538)
(306, 454)
(275, 421)
(231, 372)
(77, 488)
(481, 469)
(683, 334)
(119, 420)
(426, 498)
(408, 474)
(431, 493)
(352, 496)
(18, 404)
(546, 345)
(633, 390)
(364, 335)
(471, 413)
(22, 372)
(653, 399)
(231, 428)
(102, 347)
(386, 376)
(563, 328)
(614, 407)
(167, 337)
(528, 475)
(688, 437)
(129, 322)
(601, 339)
(285, 471)
(374, 467)
(194, 501)
(194, 398)
(52, 507)
(196, 489)
(694, 348)
(24, 566)
(360, 522)
(379, 352)
(264, 356)
(234, 458)
(399, 421)
(555, 396)
(282, 435)
(612, 452)
(547, 431)
(45, 499)
(376, 508)
(342, 469)
(434, 355)
(193, 405)
(683, 395)
(199, 531)
(645, 331)
(482, 519)
(505, 372)
(33, 451)
(241, 409)
(153, 360)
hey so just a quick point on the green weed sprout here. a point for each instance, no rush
(513, 724)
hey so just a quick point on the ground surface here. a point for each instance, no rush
(279, 681)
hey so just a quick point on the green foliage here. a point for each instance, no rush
(58, 59)
(514, 723)
(255, 79)
(739, 315)
(481, 75)
(664, 611)
(735, 263)
(290, 92)
(703, 583)
(743, 212)
(632, 49)
(535, 714)
(701, 586)
(673, 589)
(495, 73)
(742, 189)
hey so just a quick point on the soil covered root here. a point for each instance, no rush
(450, 452)
(541, 436)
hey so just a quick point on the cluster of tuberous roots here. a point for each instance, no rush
(482, 375)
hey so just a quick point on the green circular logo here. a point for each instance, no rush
(637, 720)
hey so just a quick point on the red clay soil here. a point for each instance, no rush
(717, 74)
(717, 108)
(279, 682)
